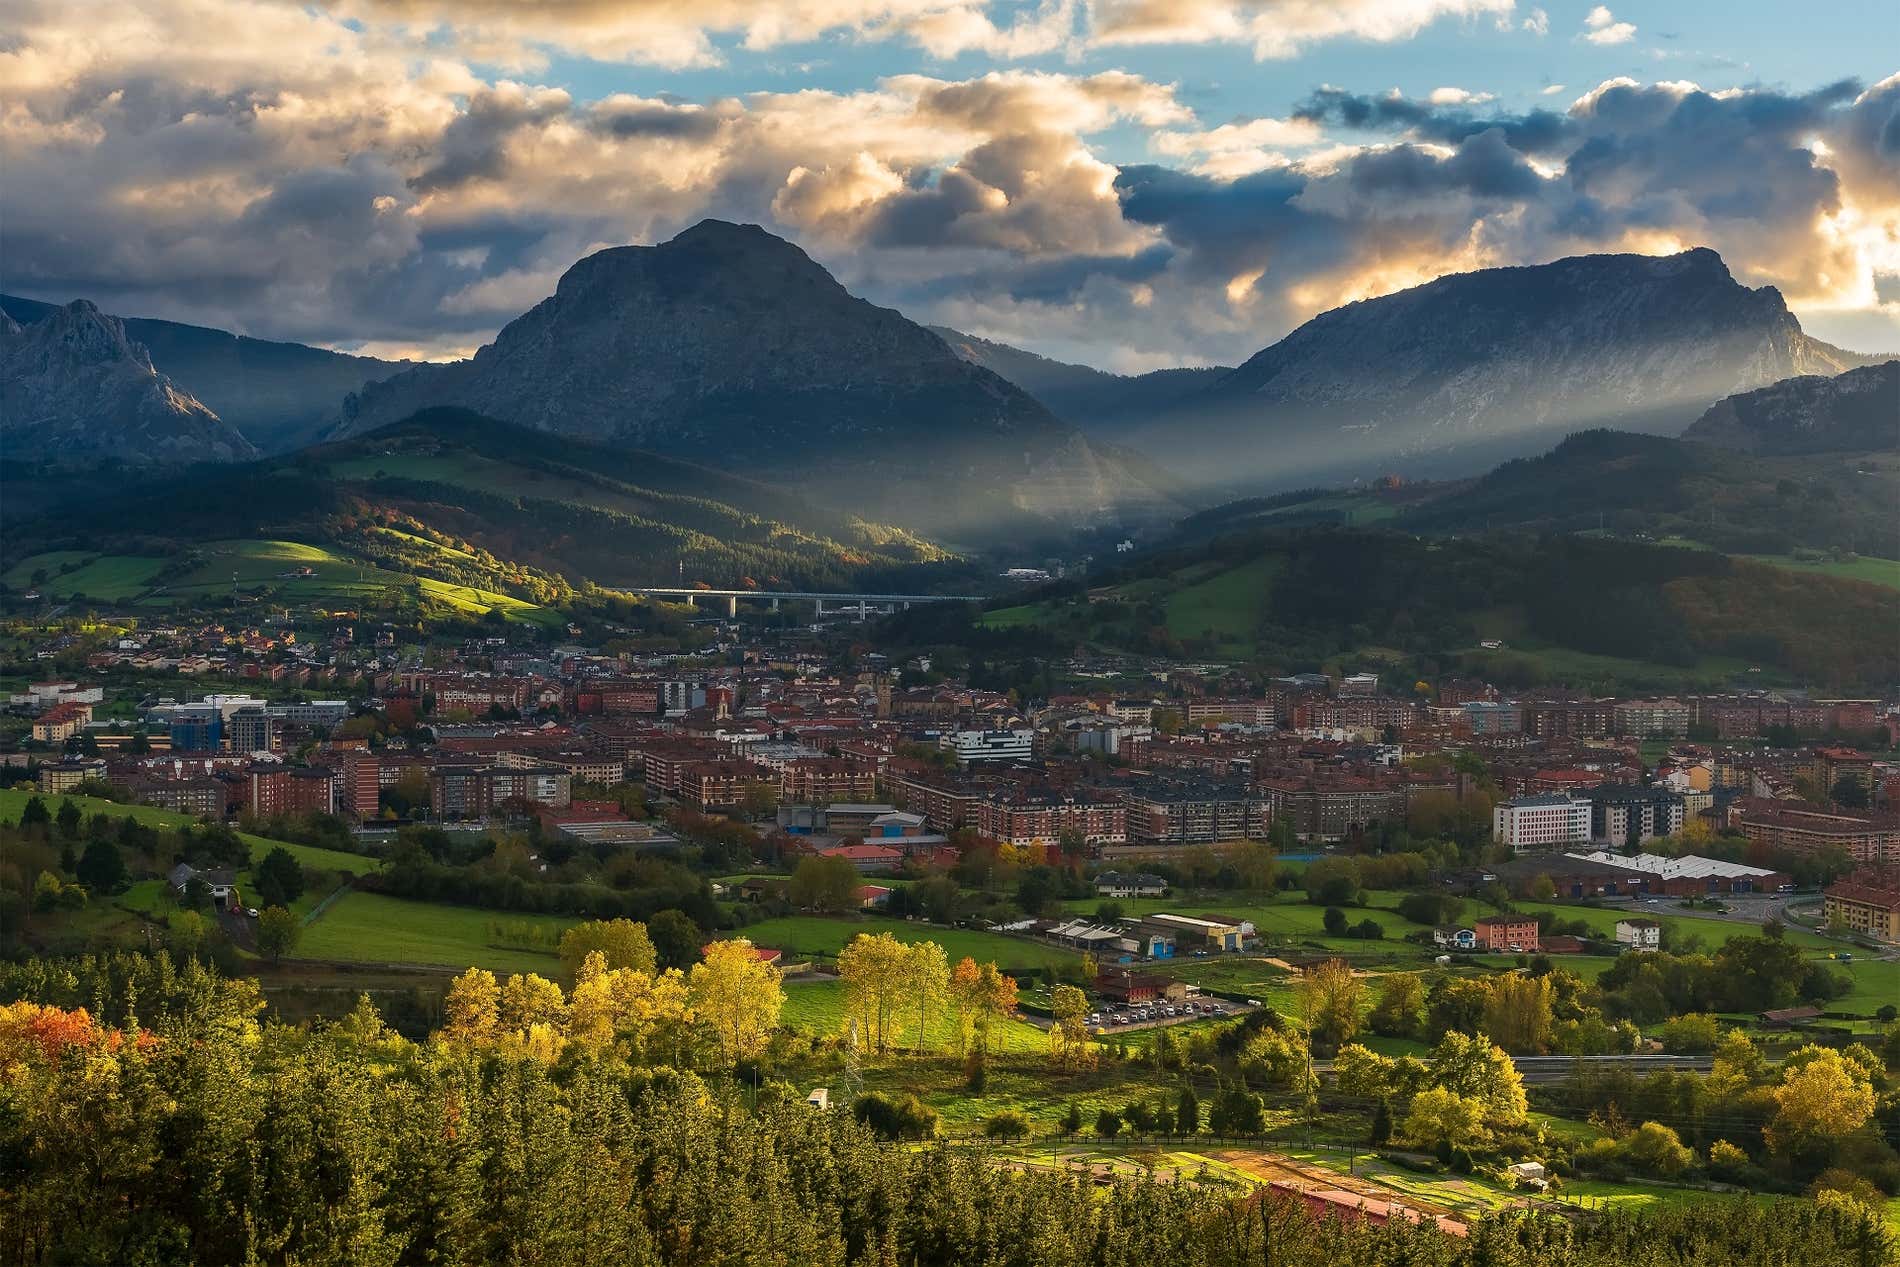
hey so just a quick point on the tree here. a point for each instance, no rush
(1007, 1125)
(530, 1000)
(875, 969)
(102, 867)
(1069, 1036)
(1334, 922)
(1329, 1000)
(1477, 1070)
(1187, 1112)
(622, 943)
(1692, 1034)
(1824, 1097)
(67, 819)
(1654, 1149)
(187, 931)
(277, 932)
(1237, 1112)
(1108, 1124)
(471, 1009)
(1332, 881)
(1849, 792)
(996, 1000)
(966, 981)
(1364, 1074)
(33, 815)
(1400, 1010)
(824, 884)
(739, 996)
(1072, 1120)
(1517, 1014)
(278, 878)
(1381, 1124)
(676, 939)
(1441, 1118)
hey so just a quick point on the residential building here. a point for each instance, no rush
(1653, 718)
(1042, 816)
(1129, 884)
(1331, 805)
(1866, 901)
(1639, 934)
(63, 776)
(1513, 934)
(988, 745)
(1486, 717)
(61, 722)
(1620, 813)
(1776, 825)
(251, 729)
(1551, 821)
(1191, 812)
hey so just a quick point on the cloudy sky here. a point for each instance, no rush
(1130, 183)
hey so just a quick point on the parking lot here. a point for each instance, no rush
(1121, 1018)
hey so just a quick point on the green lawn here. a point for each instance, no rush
(1287, 919)
(371, 928)
(815, 936)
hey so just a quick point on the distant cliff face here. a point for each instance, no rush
(1476, 367)
(72, 385)
(732, 347)
(279, 395)
(1092, 399)
(1858, 411)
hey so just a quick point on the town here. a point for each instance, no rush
(1336, 861)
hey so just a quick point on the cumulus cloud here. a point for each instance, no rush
(1276, 28)
(1601, 27)
(349, 181)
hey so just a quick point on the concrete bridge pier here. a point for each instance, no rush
(863, 609)
(775, 604)
(732, 606)
(818, 606)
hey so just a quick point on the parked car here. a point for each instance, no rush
(251, 911)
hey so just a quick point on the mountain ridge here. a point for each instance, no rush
(729, 345)
(1857, 410)
(1477, 367)
(278, 394)
(73, 385)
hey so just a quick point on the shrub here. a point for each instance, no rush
(892, 1118)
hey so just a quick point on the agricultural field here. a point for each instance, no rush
(1227, 606)
(817, 937)
(372, 928)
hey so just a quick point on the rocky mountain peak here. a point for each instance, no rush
(72, 384)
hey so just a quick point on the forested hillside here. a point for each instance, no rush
(172, 1127)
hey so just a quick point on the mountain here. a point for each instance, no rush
(72, 385)
(1090, 398)
(280, 395)
(1858, 411)
(1449, 377)
(731, 347)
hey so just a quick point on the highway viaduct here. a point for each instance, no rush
(862, 603)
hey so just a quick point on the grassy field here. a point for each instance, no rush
(371, 928)
(1227, 606)
(1865, 568)
(817, 937)
(335, 577)
(1287, 919)
(819, 1006)
(107, 576)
